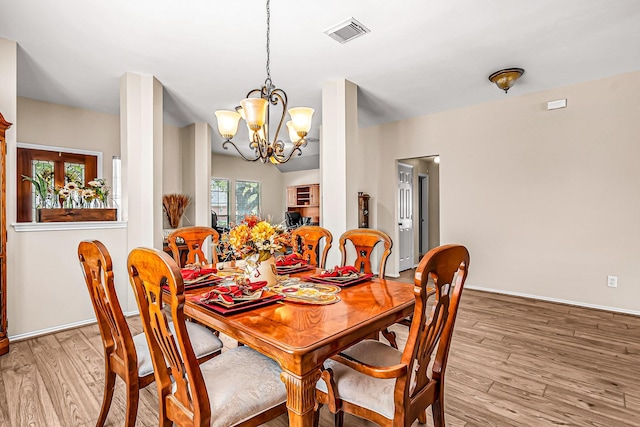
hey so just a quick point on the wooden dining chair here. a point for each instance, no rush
(364, 240)
(241, 387)
(125, 355)
(193, 238)
(305, 241)
(391, 387)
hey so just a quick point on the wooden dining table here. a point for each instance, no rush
(300, 337)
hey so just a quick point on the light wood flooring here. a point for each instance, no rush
(513, 362)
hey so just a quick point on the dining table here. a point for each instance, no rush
(300, 336)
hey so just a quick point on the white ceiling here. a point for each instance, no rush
(422, 56)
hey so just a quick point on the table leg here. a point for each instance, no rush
(301, 397)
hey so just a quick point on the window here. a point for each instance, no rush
(56, 168)
(220, 200)
(247, 199)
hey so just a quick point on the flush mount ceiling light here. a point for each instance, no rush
(504, 79)
(255, 111)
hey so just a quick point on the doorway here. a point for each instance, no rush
(423, 214)
(425, 208)
(405, 216)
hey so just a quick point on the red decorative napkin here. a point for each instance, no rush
(291, 259)
(227, 293)
(339, 272)
(194, 273)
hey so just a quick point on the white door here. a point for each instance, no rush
(405, 215)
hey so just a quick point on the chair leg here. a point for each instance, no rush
(133, 395)
(338, 419)
(316, 416)
(437, 408)
(109, 384)
(422, 417)
(391, 337)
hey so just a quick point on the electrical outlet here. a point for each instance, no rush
(612, 281)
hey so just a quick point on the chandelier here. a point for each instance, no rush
(255, 111)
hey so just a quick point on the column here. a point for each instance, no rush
(141, 142)
(338, 159)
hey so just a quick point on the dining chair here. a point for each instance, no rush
(364, 240)
(391, 387)
(193, 238)
(240, 387)
(305, 241)
(125, 355)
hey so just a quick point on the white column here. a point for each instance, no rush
(196, 173)
(337, 157)
(141, 149)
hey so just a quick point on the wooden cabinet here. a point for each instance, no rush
(4, 339)
(306, 200)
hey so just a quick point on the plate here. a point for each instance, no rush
(239, 307)
(307, 293)
(341, 281)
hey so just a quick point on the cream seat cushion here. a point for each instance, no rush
(241, 383)
(204, 343)
(352, 386)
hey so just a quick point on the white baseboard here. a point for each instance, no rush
(40, 332)
(561, 301)
(33, 334)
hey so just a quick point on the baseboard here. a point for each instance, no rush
(558, 300)
(33, 334)
(40, 332)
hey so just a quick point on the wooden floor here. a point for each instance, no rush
(513, 362)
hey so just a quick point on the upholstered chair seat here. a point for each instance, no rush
(241, 383)
(204, 343)
(364, 390)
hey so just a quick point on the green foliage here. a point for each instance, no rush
(40, 184)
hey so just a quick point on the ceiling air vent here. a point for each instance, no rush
(347, 30)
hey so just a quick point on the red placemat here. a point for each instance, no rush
(286, 269)
(338, 281)
(204, 283)
(238, 307)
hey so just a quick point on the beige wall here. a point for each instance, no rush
(546, 201)
(46, 287)
(273, 195)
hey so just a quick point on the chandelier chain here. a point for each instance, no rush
(268, 82)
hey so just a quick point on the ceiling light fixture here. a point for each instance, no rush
(255, 111)
(504, 79)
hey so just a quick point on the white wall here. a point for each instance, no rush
(273, 197)
(546, 201)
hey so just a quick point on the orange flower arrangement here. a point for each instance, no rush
(255, 235)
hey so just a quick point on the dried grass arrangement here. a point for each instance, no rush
(174, 206)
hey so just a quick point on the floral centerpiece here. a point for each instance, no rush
(256, 240)
(95, 194)
(72, 195)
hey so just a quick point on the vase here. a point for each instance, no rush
(261, 271)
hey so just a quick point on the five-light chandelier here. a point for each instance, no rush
(255, 111)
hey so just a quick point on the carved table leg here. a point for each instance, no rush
(301, 398)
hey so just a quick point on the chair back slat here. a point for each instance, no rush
(194, 238)
(97, 268)
(305, 241)
(430, 333)
(149, 271)
(364, 240)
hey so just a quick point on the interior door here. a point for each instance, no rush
(405, 216)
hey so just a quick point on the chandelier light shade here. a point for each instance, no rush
(255, 111)
(227, 123)
(504, 79)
